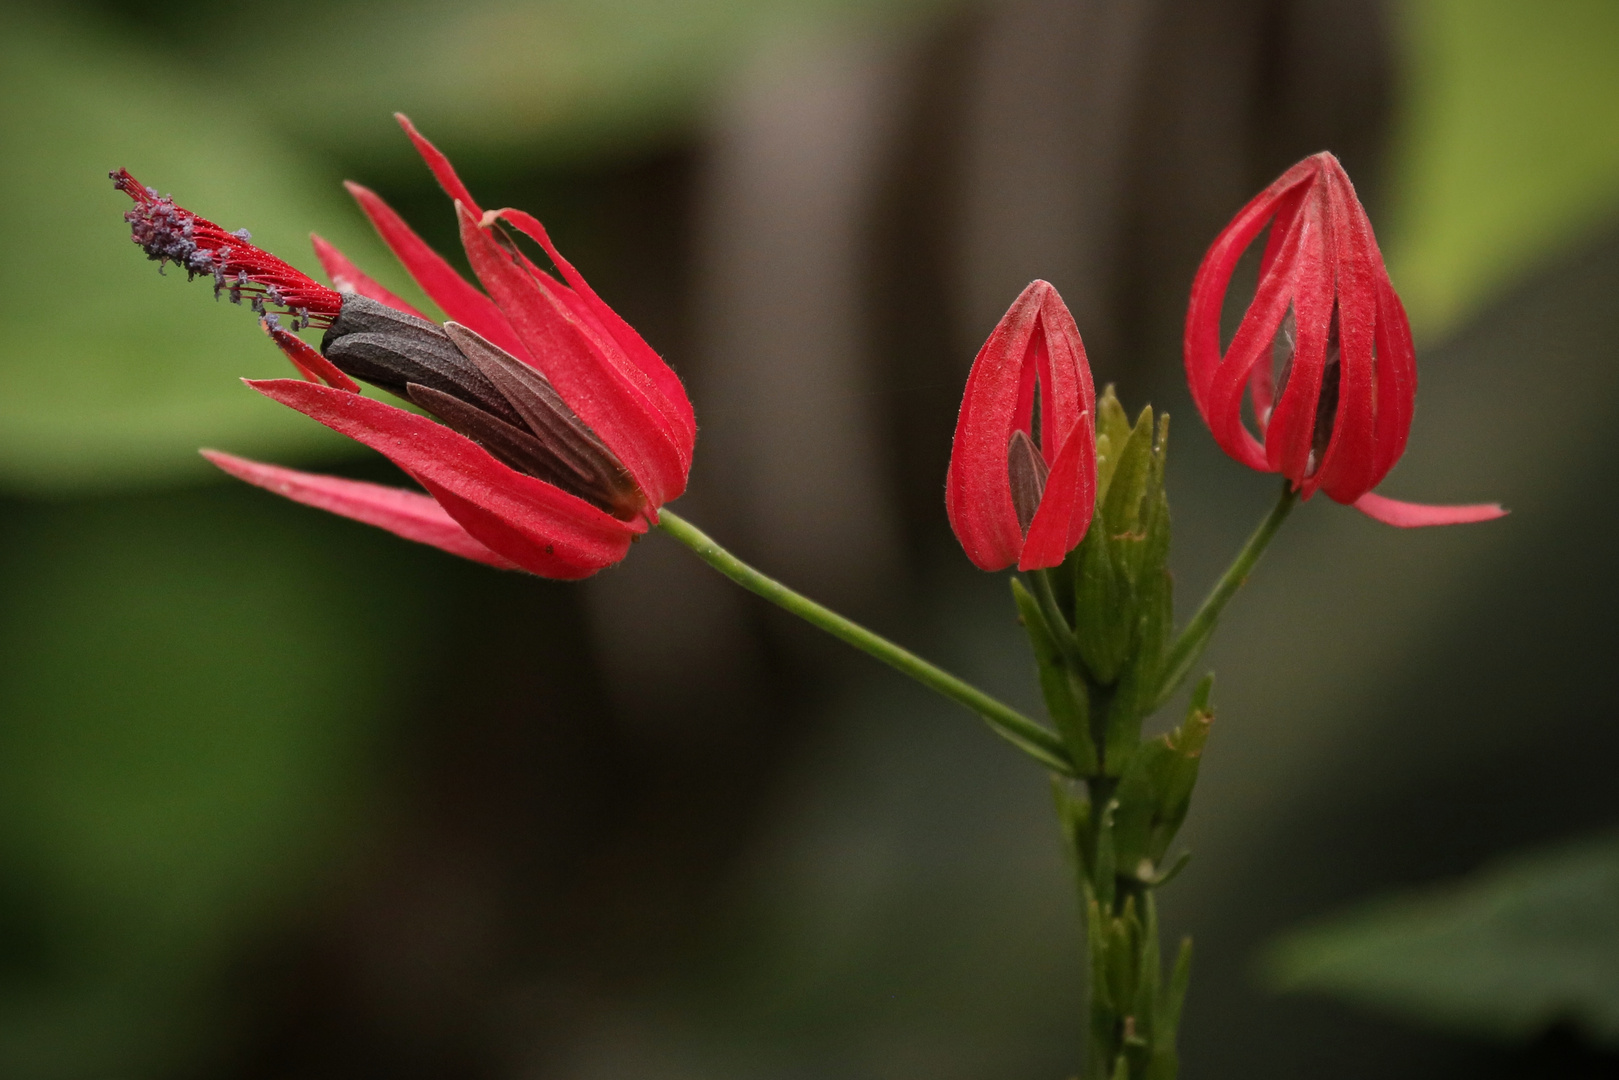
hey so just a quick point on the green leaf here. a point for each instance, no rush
(1165, 1061)
(109, 373)
(1066, 698)
(1155, 791)
(193, 686)
(1508, 149)
(1529, 942)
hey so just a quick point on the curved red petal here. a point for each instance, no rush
(1291, 432)
(453, 294)
(1407, 515)
(1347, 466)
(541, 528)
(407, 514)
(1250, 348)
(440, 165)
(610, 394)
(978, 485)
(1202, 338)
(675, 405)
(1067, 392)
(314, 366)
(1068, 504)
(346, 277)
(1396, 380)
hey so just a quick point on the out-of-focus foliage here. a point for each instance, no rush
(1527, 944)
(191, 687)
(1509, 148)
(541, 81)
(109, 373)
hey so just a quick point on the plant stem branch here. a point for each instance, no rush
(1027, 735)
(1189, 645)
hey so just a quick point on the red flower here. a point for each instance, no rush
(1335, 413)
(1017, 492)
(562, 431)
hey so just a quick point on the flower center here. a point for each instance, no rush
(483, 392)
(1028, 471)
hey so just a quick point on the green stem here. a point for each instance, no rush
(1189, 646)
(1033, 739)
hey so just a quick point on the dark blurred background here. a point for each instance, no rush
(281, 796)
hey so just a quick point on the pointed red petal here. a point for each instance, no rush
(346, 277)
(314, 366)
(403, 513)
(1070, 499)
(539, 527)
(610, 394)
(1291, 432)
(443, 171)
(978, 486)
(675, 405)
(459, 301)
(1202, 340)
(1407, 515)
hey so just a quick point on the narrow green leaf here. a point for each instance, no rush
(1067, 700)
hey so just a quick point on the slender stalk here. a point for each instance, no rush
(1189, 646)
(1027, 735)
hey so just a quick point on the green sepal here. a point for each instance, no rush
(1165, 1062)
(1067, 700)
(1177, 767)
(1145, 1006)
(1143, 555)
(1123, 948)
(1104, 863)
(1074, 817)
(1155, 792)
(1121, 510)
(1112, 425)
(1101, 604)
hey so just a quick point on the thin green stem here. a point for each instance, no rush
(1189, 645)
(1027, 735)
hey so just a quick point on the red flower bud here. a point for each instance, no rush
(1021, 487)
(1323, 352)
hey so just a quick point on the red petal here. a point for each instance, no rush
(346, 277)
(1408, 515)
(1221, 404)
(675, 405)
(978, 486)
(1069, 501)
(314, 366)
(539, 527)
(459, 301)
(443, 171)
(1202, 341)
(1291, 431)
(403, 513)
(1346, 468)
(610, 394)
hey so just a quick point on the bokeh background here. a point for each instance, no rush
(281, 796)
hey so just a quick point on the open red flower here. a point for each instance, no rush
(559, 431)
(1021, 487)
(1323, 352)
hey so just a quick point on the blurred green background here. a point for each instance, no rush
(282, 796)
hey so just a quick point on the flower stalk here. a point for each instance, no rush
(1027, 735)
